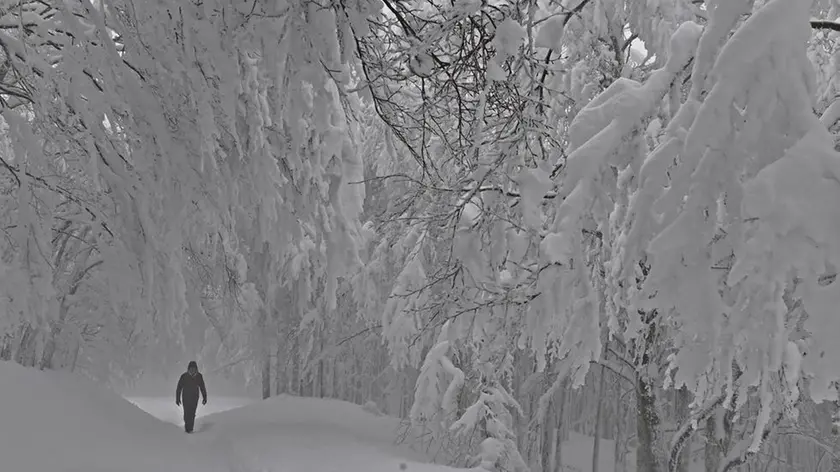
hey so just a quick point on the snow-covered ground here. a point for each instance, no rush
(53, 422)
(164, 408)
(292, 434)
(59, 423)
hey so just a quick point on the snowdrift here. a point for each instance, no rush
(164, 408)
(318, 434)
(290, 412)
(55, 422)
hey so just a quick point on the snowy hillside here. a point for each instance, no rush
(296, 434)
(291, 430)
(59, 423)
(164, 408)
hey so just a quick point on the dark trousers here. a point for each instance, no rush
(189, 415)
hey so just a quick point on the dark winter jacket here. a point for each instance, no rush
(188, 387)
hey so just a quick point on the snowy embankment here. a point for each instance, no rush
(164, 408)
(59, 423)
(293, 434)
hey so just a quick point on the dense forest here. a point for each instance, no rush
(515, 224)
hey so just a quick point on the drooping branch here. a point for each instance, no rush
(14, 171)
(741, 455)
(824, 24)
(617, 370)
(541, 85)
(691, 424)
(688, 428)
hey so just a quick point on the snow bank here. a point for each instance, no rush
(290, 412)
(164, 408)
(56, 422)
(317, 434)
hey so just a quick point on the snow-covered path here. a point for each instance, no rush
(278, 448)
(289, 434)
(80, 426)
(52, 421)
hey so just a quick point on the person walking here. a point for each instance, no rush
(189, 385)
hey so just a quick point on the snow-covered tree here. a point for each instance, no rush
(168, 126)
(613, 232)
(544, 186)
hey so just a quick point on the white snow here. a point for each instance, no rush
(59, 423)
(509, 36)
(550, 34)
(293, 434)
(164, 408)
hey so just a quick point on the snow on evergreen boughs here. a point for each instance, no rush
(489, 415)
(432, 404)
(735, 195)
(599, 136)
(401, 315)
(796, 222)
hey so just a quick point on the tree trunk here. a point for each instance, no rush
(405, 390)
(596, 445)
(80, 271)
(75, 356)
(25, 355)
(55, 331)
(561, 429)
(6, 351)
(717, 444)
(334, 386)
(266, 373)
(647, 421)
(618, 456)
(295, 359)
(321, 376)
(547, 437)
(683, 401)
(265, 354)
(279, 372)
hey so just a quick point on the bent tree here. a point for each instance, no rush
(162, 132)
(639, 185)
(573, 198)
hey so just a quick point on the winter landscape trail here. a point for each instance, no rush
(61, 423)
(58, 422)
(290, 434)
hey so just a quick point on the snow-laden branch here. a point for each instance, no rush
(616, 369)
(684, 433)
(743, 451)
(824, 24)
(726, 399)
